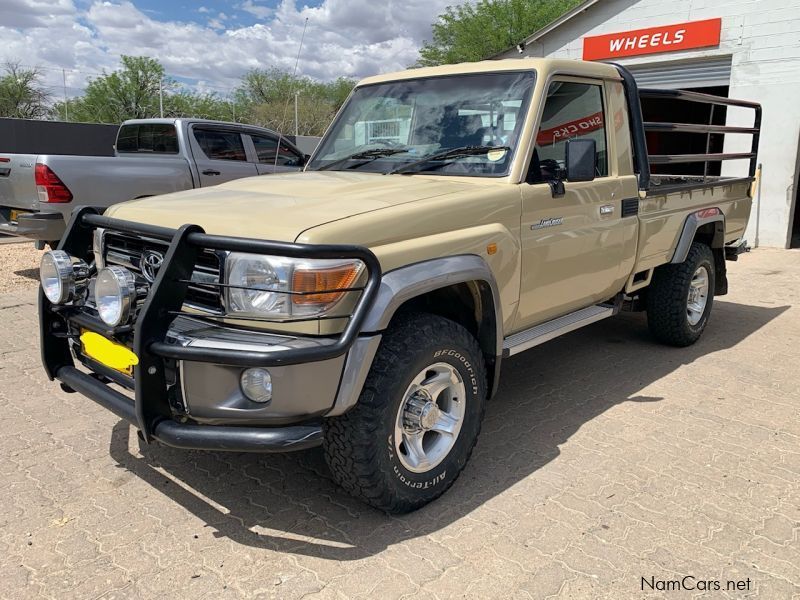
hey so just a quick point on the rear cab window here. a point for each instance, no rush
(155, 138)
(218, 144)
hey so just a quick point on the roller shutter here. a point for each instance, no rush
(684, 74)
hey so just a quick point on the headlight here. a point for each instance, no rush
(115, 295)
(62, 277)
(280, 287)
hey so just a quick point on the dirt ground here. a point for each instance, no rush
(608, 467)
(19, 266)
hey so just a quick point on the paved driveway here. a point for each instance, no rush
(605, 459)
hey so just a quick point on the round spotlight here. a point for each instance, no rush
(257, 385)
(61, 276)
(115, 295)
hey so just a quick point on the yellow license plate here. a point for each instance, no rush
(108, 353)
(16, 214)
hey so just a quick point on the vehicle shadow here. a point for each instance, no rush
(28, 273)
(289, 503)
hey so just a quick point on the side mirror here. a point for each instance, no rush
(580, 160)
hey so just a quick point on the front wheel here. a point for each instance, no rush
(417, 419)
(680, 297)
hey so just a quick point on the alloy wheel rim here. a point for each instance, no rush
(697, 298)
(430, 417)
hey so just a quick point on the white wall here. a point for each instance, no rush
(763, 38)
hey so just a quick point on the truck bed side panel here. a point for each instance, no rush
(661, 218)
(101, 181)
(108, 180)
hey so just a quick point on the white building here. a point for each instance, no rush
(743, 49)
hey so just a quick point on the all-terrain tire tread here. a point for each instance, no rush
(666, 298)
(351, 440)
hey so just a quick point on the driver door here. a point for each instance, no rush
(572, 245)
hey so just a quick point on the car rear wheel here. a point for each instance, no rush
(417, 419)
(680, 297)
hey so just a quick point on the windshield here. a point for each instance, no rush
(385, 126)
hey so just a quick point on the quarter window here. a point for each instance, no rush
(571, 110)
(220, 145)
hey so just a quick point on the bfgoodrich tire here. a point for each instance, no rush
(680, 297)
(417, 419)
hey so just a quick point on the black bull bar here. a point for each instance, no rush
(149, 410)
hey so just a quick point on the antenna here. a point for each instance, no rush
(289, 99)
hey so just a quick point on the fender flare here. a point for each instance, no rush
(406, 283)
(694, 222)
(398, 287)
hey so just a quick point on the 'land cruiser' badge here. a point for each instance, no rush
(550, 222)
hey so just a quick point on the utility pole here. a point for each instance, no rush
(296, 122)
(66, 100)
(161, 96)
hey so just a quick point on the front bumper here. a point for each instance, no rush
(190, 436)
(36, 226)
(202, 364)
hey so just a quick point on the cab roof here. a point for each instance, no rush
(541, 65)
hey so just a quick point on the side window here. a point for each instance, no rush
(265, 150)
(156, 138)
(220, 145)
(571, 110)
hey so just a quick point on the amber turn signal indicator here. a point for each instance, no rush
(323, 286)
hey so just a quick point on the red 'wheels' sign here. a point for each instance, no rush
(670, 38)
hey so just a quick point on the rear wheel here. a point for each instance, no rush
(417, 419)
(680, 297)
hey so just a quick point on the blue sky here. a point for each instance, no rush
(212, 43)
(256, 11)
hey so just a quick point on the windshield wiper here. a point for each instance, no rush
(364, 155)
(448, 155)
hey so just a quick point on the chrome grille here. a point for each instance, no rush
(127, 251)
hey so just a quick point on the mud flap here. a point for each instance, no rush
(721, 272)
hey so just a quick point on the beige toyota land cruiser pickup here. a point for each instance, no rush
(451, 217)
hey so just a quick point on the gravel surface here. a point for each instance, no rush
(609, 467)
(19, 267)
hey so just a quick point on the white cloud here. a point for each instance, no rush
(34, 13)
(257, 10)
(352, 38)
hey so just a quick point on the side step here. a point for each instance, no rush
(545, 332)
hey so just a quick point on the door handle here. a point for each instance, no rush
(606, 209)
(210, 172)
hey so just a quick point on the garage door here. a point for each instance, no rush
(684, 74)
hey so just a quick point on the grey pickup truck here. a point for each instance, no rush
(152, 157)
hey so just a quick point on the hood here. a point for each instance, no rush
(281, 207)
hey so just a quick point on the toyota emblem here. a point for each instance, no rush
(150, 263)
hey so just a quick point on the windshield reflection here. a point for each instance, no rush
(386, 125)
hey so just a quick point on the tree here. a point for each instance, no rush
(267, 97)
(131, 92)
(479, 30)
(200, 106)
(21, 93)
(137, 91)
